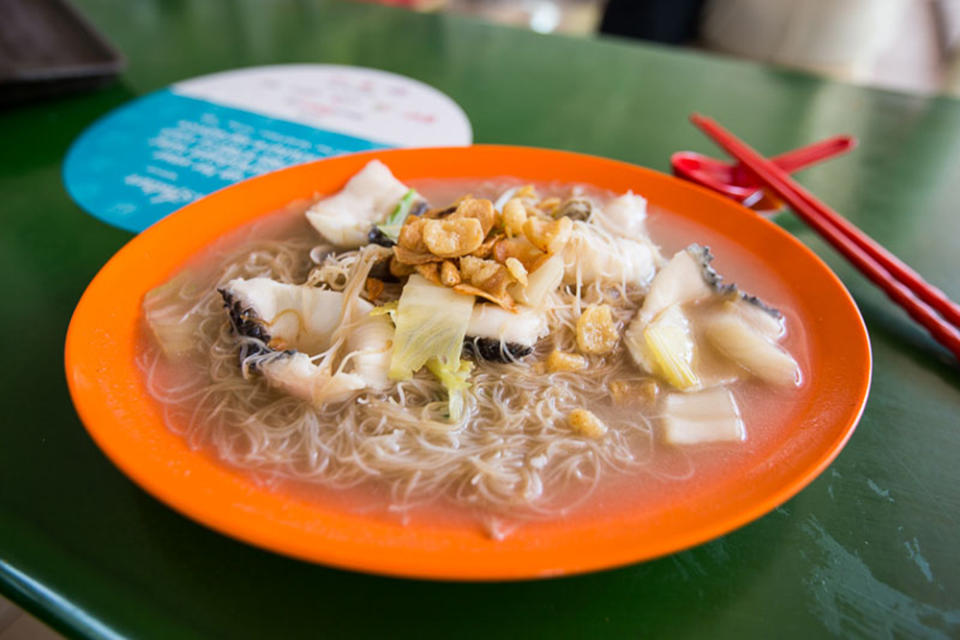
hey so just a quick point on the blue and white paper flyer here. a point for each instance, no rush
(164, 150)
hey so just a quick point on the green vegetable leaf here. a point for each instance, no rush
(391, 226)
(671, 347)
(431, 322)
(386, 309)
(454, 380)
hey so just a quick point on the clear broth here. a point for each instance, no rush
(670, 474)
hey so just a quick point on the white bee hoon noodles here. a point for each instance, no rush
(512, 451)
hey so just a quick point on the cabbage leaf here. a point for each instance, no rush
(431, 322)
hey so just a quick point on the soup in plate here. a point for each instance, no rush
(491, 350)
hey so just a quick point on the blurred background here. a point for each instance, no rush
(46, 46)
(908, 45)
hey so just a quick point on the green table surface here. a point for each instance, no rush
(868, 550)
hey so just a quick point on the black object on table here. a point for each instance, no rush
(48, 48)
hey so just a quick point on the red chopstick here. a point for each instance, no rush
(902, 284)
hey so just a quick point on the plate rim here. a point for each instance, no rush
(346, 556)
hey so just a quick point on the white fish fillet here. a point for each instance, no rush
(304, 319)
(345, 218)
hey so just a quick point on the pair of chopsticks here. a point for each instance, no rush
(926, 304)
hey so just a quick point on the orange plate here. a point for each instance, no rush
(109, 394)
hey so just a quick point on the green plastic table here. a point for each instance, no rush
(868, 550)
